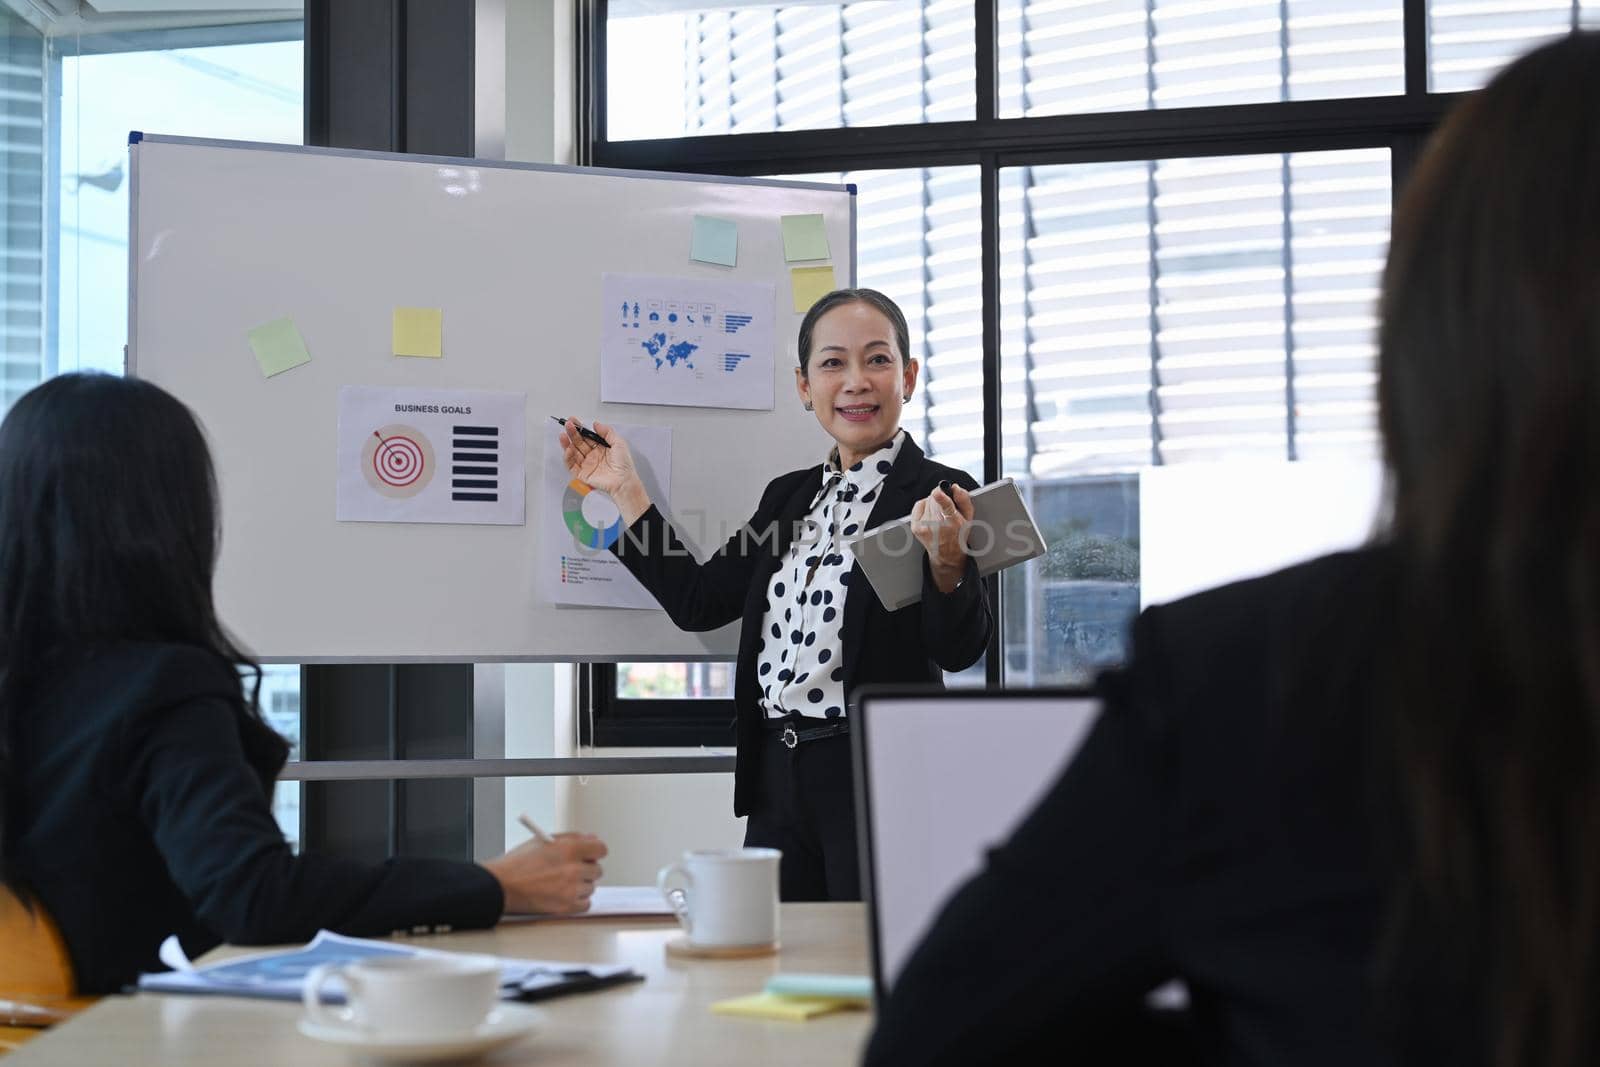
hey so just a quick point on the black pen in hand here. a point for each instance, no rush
(587, 434)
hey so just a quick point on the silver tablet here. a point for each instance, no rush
(1002, 533)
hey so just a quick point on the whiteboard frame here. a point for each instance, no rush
(845, 265)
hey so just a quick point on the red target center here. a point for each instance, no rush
(398, 461)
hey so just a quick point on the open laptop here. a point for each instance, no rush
(941, 776)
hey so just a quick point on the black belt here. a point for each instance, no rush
(793, 730)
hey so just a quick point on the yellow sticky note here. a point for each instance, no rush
(804, 237)
(810, 284)
(789, 1009)
(419, 332)
(278, 346)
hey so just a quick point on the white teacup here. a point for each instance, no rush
(420, 997)
(725, 897)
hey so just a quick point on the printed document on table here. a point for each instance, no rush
(431, 455)
(686, 341)
(279, 975)
(579, 524)
(611, 902)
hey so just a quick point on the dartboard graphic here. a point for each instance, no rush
(397, 461)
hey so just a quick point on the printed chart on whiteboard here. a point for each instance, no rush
(686, 341)
(579, 524)
(431, 455)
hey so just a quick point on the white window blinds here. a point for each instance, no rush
(1188, 309)
(1073, 56)
(1469, 40)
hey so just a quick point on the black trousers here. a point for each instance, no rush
(807, 809)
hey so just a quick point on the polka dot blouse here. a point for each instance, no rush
(798, 662)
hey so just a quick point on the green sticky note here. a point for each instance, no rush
(804, 237)
(809, 284)
(715, 241)
(419, 332)
(278, 346)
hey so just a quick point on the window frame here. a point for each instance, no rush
(628, 722)
(1399, 123)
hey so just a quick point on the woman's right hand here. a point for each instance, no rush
(554, 877)
(610, 470)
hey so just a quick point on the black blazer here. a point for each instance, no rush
(942, 632)
(139, 805)
(1216, 826)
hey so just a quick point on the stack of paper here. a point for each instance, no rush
(611, 902)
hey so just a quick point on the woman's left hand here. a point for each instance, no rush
(940, 522)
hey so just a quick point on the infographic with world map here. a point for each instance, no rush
(686, 341)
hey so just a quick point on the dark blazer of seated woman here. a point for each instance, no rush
(1211, 828)
(142, 807)
(941, 632)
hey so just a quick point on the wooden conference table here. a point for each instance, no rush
(663, 1020)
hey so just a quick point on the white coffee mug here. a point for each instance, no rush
(725, 897)
(421, 997)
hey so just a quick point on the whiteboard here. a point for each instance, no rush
(226, 236)
(941, 778)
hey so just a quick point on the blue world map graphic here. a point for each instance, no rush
(671, 355)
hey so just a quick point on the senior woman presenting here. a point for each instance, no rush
(813, 630)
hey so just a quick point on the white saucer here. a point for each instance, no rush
(505, 1024)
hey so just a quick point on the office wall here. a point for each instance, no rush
(648, 820)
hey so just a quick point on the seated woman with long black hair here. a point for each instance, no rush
(135, 778)
(1355, 805)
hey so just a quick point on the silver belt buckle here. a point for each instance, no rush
(790, 738)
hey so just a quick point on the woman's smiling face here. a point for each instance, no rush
(857, 379)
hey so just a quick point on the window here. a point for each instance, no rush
(1095, 289)
(757, 66)
(280, 705)
(1171, 311)
(25, 141)
(1073, 56)
(156, 83)
(72, 100)
(1468, 40)
(650, 705)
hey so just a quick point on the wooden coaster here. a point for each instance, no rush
(679, 946)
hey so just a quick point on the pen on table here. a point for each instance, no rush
(533, 828)
(587, 434)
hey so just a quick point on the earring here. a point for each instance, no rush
(906, 399)
(807, 406)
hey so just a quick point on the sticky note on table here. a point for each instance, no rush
(829, 986)
(278, 346)
(810, 284)
(804, 237)
(715, 241)
(789, 1009)
(419, 332)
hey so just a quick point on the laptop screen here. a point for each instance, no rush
(940, 778)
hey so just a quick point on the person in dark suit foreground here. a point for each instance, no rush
(813, 629)
(1355, 805)
(135, 777)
